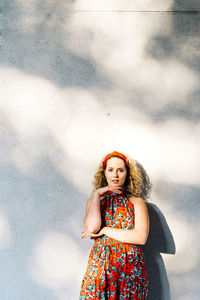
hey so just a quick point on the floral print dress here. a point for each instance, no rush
(115, 270)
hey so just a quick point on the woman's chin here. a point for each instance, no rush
(115, 185)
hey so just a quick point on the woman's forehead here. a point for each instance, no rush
(115, 161)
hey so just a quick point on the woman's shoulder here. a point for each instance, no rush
(136, 200)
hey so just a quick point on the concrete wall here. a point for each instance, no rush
(80, 79)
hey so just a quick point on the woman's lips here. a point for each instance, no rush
(115, 181)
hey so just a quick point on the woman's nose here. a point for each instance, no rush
(116, 173)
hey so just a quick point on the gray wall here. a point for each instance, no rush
(80, 79)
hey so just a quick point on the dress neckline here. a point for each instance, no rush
(124, 193)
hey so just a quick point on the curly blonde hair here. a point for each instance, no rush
(137, 181)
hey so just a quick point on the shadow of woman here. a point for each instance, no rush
(160, 240)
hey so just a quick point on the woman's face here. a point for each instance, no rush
(115, 172)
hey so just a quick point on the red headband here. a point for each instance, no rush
(115, 153)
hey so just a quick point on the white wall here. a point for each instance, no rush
(80, 79)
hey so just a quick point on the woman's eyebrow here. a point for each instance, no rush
(117, 168)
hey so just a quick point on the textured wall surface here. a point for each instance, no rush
(80, 79)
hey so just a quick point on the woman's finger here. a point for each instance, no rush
(116, 188)
(117, 191)
(84, 234)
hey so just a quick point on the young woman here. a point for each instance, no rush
(118, 221)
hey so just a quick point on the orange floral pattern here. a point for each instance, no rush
(115, 270)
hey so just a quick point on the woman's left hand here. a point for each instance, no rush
(85, 234)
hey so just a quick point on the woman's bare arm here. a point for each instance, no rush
(92, 220)
(137, 235)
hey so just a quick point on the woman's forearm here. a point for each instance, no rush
(132, 236)
(92, 221)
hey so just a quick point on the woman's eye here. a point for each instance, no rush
(121, 170)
